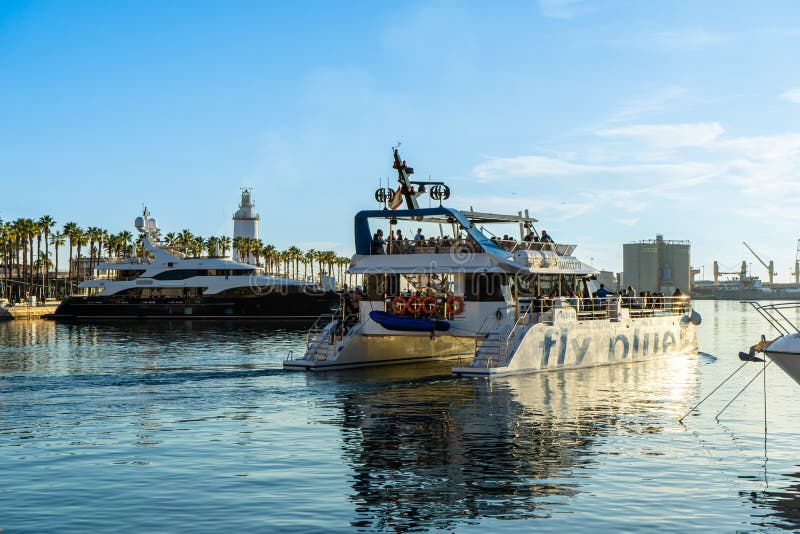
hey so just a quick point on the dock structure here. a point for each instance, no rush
(25, 311)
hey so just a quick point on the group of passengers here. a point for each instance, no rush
(509, 243)
(599, 300)
(397, 243)
(533, 238)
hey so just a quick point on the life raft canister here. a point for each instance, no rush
(429, 305)
(414, 305)
(399, 305)
(455, 305)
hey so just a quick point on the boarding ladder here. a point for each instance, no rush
(494, 347)
(321, 342)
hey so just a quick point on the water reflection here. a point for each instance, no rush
(438, 452)
(782, 506)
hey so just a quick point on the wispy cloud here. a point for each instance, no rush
(792, 95)
(655, 102)
(668, 135)
(704, 166)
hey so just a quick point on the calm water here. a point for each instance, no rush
(161, 427)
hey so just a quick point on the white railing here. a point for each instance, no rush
(775, 316)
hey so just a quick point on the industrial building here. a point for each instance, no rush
(245, 221)
(657, 265)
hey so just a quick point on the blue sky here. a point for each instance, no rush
(612, 121)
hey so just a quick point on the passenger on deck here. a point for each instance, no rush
(376, 247)
(573, 300)
(419, 236)
(532, 237)
(546, 237)
(602, 292)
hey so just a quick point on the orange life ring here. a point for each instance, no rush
(399, 305)
(414, 305)
(429, 305)
(455, 305)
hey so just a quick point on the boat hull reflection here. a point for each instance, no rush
(428, 450)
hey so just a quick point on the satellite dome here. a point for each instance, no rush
(151, 225)
(139, 223)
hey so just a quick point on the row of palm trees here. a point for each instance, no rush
(27, 270)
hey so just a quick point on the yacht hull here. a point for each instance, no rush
(789, 362)
(300, 307)
(370, 350)
(578, 344)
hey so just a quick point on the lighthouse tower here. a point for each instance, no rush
(245, 222)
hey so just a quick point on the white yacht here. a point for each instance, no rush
(784, 350)
(498, 305)
(166, 284)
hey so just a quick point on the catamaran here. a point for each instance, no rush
(463, 289)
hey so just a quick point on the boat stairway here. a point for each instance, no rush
(491, 350)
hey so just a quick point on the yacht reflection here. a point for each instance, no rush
(437, 452)
(782, 506)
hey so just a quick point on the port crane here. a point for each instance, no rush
(742, 273)
(770, 268)
(796, 272)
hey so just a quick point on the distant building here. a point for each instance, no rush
(657, 265)
(245, 222)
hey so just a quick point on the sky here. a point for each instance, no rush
(611, 121)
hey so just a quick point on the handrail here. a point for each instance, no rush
(774, 315)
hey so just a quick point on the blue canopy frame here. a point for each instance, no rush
(363, 236)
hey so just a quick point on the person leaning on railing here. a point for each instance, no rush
(376, 246)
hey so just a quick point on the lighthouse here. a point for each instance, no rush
(245, 222)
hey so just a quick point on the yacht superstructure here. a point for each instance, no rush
(497, 304)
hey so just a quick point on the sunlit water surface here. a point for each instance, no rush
(170, 426)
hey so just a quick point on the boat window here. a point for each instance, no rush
(380, 285)
(485, 287)
(547, 283)
(125, 275)
(568, 283)
(178, 274)
(525, 285)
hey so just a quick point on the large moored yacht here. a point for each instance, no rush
(165, 284)
(463, 288)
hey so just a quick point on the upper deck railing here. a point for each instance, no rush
(447, 246)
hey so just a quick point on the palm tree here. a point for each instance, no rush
(46, 224)
(224, 244)
(125, 241)
(171, 239)
(57, 240)
(81, 239)
(93, 234)
(269, 253)
(185, 240)
(70, 230)
(197, 246)
(310, 256)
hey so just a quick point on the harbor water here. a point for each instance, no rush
(165, 426)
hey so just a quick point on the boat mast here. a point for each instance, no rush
(403, 172)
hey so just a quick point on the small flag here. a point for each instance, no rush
(397, 199)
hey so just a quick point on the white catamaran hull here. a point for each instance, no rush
(543, 347)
